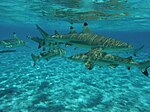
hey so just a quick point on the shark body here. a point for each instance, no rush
(94, 57)
(11, 43)
(88, 40)
(48, 55)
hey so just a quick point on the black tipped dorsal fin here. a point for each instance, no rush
(72, 30)
(86, 29)
(56, 33)
(15, 36)
(129, 58)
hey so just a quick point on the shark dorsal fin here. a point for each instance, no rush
(15, 36)
(72, 30)
(56, 32)
(86, 29)
(129, 58)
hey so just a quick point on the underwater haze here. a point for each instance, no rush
(62, 85)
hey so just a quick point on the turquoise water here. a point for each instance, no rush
(61, 85)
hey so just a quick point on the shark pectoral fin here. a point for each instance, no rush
(34, 58)
(137, 50)
(143, 66)
(89, 65)
(86, 29)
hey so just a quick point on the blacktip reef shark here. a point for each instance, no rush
(95, 57)
(13, 42)
(48, 55)
(87, 39)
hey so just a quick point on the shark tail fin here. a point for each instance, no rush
(137, 50)
(43, 33)
(34, 58)
(143, 66)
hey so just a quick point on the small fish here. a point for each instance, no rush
(11, 43)
(95, 57)
(48, 55)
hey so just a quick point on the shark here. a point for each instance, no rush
(88, 40)
(13, 42)
(54, 52)
(95, 57)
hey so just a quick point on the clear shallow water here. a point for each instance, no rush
(65, 86)
(101, 14)
(60, 85)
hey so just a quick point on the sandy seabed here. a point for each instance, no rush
(61, 85)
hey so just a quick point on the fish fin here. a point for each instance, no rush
(56, 32)
(43, 33)
(86, 29)
(37, 40)
(137, 50)
(129, 58)
(89, 65)
(128, 68)
(72, 30)
(143, 66)
(15, 35)
(34, 58)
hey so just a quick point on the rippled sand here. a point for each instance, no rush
(61, 85)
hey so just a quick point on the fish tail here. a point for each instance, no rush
(137, 50)
(43, 33)
(34, 58)
(143, 66)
